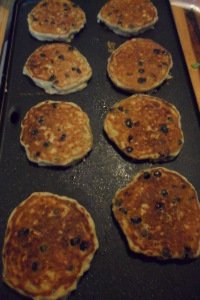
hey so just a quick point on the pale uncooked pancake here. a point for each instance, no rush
(50, 242)
(159, 213)
(139, 65)
(58, 68)
(128, 17)
(56, 133)
(59, 20)
(145, 127)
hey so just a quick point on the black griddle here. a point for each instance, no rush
(115, 273)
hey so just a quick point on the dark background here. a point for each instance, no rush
(115, 272)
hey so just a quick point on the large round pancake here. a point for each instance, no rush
(58, 68)
(56, 133)
(128, 17)
(50, 242)
(159, 213)
(56, 20)
(139, 65)
(145, 127)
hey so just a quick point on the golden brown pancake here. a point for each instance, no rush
(58, 68)
(128, 17)
(139, 65)
(59, 20)
(56, 133)
(50, 242)
(145, 127)
(159, 213)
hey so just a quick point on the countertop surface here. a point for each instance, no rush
(187, 19)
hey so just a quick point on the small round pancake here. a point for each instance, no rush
(139, 65)
(50, 242)
(56, 20)
(128, 17)
(159, 213)
(145, 127)
(56, 133)
(58, 68)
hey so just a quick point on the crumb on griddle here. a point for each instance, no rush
(111, 46)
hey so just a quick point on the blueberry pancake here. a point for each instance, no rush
(56, 133)
(145, 127)
(56, 20)
(58, 68)
(49, 243)
(139, 65)
(128, 17)
(159, 213)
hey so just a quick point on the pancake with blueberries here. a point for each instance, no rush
(49, 243)
(128, 17)
(56, 20)
(159, 213)
(58, 68)
(144, 127)
(56, 133)
(139, 65)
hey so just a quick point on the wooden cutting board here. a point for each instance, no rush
(188, 26)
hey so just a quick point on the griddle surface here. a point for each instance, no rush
(115, 272)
